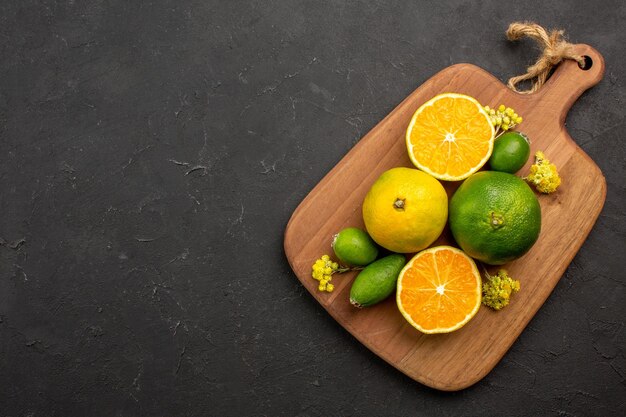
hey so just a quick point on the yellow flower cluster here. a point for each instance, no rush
(503, 118)
(498, 289)
(323, 269)
(543, 174)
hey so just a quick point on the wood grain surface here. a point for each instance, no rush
(457, 360)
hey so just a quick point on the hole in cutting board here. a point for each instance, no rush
(588, 63)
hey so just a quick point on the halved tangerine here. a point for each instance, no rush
(439, 290)
(450, 137)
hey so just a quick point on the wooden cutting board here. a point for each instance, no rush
(457, 360)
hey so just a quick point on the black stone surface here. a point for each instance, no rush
(151, 153)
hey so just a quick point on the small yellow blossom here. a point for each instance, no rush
(323, 270)
(543, 174)
(497, 290)
(503, 118)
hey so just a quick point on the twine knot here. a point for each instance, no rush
(554, 50)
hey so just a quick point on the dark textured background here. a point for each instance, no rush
(151, 154)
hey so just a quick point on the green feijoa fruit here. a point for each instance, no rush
(510, 152)
(376, 281)
(353, 246)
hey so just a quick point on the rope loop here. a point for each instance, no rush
(554, 50)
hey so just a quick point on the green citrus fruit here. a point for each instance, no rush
(495, 217)
(377, 281)
(405, 210)
(354, 247)
(510, 152)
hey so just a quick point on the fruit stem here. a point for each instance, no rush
(399, 204)
(485, 270)
(497, 220)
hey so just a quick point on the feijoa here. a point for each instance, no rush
(376, 281)
(354, 246)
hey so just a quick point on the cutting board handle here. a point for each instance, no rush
(569, 80)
